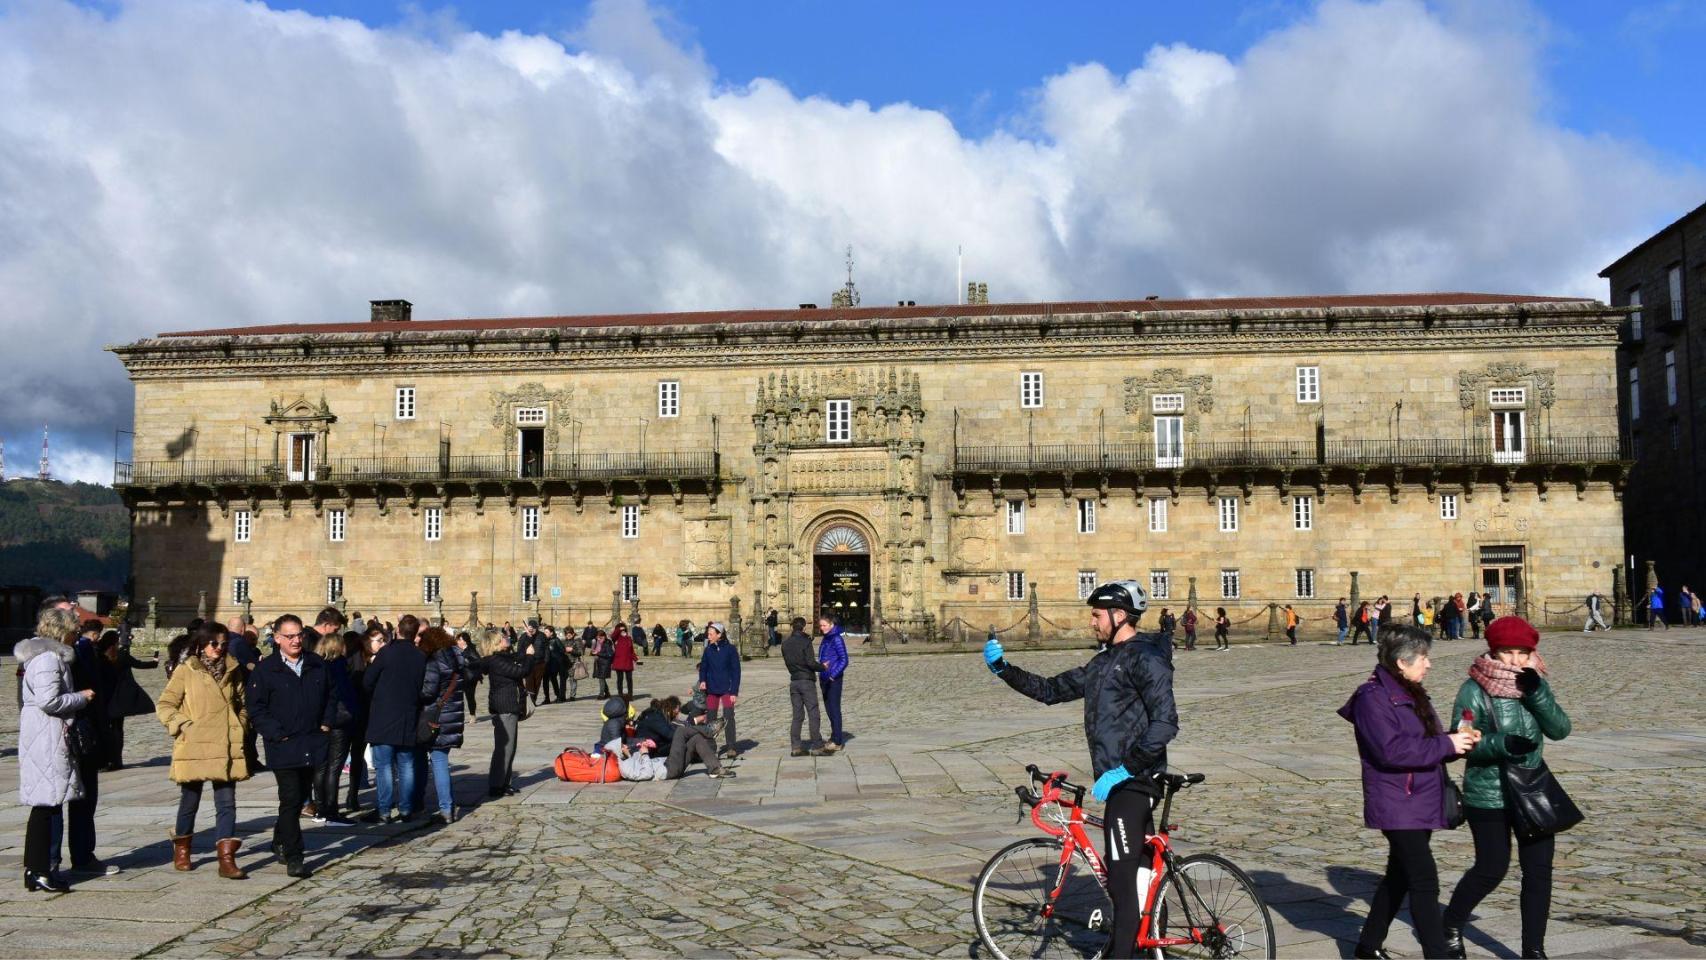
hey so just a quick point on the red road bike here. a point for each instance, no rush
(1047, 896)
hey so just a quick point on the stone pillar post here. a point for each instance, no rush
(877, 619)
(1273, 622)
(201, 604)
(1191, 598)
(248, 608)
(438, 611)
(343, 606)
(1356, 593)
(153, 620)
(737, 630)
(1034, 623)
(1619, 599)
(761, 628)
(473, 611)
(615, 608)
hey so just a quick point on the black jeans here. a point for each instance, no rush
(557, 681)
(113, 742)
(468, 692)
(294, 786)
(1410, 871)
(624, 682)
(328, 774)
(38, 838)
(357, 769)
(504, 726)
(224, 808)
(1493, 830)
(1126, 824)
(80, 825)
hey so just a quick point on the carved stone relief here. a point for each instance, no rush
(1198, 391)
(708, 543)
(1472, 385)
(556, 402)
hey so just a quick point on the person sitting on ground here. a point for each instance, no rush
(692, 740)
(616, 713)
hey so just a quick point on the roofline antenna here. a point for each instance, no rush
(960, 274)
(848, 295)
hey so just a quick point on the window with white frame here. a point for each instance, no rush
(529, 587)
(1303, 513)
(1305, 584)
(432, 523)
(1448, 506)
(838, 422)
(1157, 514)
(1308, 384)
(1169, 441)
(1015, 584)
(334, 589)
(1228, 514)
(529, 416)
(1167, 403)
(337, 521)
(1670, 378)
(529, 523)
(1231, 586)
(1634, 394)
(1160, 584)
(1504, 397)
(1675, 278)
(239, 589)
(1510, 436)
(1086, 515)
(243, 525)
(1030, 390)
(1635, 329)
(1015, 517)
(1086, 584)
(630, 586)
(630, 521)
(669, 398)
(429, 589)
(405, 403)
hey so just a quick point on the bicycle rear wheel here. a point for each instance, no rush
(1015, 916)
(1207, 898)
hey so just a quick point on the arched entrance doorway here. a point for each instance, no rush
(841, 576)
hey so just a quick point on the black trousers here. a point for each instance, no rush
(557, 680)
(294, 786)
(1493, 830)
(38, 838)
(468, 692)
(113, 742)
(80, 816)
(1410, 871)
(327, 774)
(624, 682)
(357, 768)
(1125, 829)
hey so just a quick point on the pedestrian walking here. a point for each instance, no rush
(803, 668)
(1342, 620)
(357, 662)
(772, 636)
(574, 653)
(1472, 608)
(333, 648)
(204, 712)
(1377, 616)
(1189, 623)
(623, 661)
(1167, 623)
(393, 682)
(1222, 629)
(471, 658)
(1596, 618)
(507, 670)
(290, 702)
(47, 762)
(1291, 622)
(832, 653)
(1685, 600)
(1513, 709)
(719, 677)
(1403, 750)
(603, 653)
(1362, 624)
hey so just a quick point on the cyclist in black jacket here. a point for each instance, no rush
(1129, 717)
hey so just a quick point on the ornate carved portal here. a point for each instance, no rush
(300, 434)
(532, 396)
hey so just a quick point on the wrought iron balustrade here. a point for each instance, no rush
(1282, 454)
(666, 465)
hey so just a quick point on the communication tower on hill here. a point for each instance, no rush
(44, 470)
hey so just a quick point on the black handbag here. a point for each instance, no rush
(1537, 802)
(1454, 815)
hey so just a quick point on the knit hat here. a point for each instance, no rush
(1512, 633)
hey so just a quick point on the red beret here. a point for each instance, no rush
(1512, 632)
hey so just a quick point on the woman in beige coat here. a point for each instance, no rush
(204, 714)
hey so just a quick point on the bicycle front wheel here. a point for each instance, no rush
(1208, 900)
(1020, 915)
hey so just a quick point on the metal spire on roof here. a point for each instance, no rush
(848, 295)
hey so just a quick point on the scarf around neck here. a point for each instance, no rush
(215, 667)
(1499, 678)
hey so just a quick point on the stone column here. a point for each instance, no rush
(438, 611)
(1619, 599)
(760, 629)
(473, 611)
(1273, 622)
(1356, 593)
(877, 619)
(201, 604)
(1034, 625)
(248, 608)
(1191, 598)
(153, 620)
(615, 608)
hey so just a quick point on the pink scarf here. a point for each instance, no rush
(1498, 678)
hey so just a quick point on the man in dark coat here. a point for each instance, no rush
(393, 682)
(291, 704)
(803, 668)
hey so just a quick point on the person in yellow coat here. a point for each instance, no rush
(204, 713)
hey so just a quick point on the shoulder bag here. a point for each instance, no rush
(426, 729)
(1537, 802)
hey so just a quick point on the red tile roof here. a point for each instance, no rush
(922, 312)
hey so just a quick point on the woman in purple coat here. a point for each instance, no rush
(1404, 751)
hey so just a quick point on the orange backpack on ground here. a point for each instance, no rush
(577, 766)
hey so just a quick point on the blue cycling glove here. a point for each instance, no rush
(1106, 783)
(994, 656)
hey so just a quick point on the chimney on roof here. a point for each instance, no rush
(391, 311)
(977, 292)
(808, 306)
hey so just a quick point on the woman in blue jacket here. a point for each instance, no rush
(719, 677)
(832, 652)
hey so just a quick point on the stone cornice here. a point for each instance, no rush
(1158, 334)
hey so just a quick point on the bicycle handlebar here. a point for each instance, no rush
(1057, 779)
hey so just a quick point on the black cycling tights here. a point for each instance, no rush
(1128, 823)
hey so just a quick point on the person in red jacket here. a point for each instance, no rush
(623, 663)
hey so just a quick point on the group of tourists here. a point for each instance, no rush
(1690, 609)
(1443, 618)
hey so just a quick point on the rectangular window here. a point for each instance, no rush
(630, 586)
(334, 589)
(530, 416)
(1228, 514)
(1015, 517)
(1634, 394)
(1448, 506)
(1306, 584)
(1308, 384)
(1230, 585)
(1086, 515)
(1169, 441)
(1030, 390)
(1015, 584)
(1158, 515)
(1303, 513)
(1675, 277)
(242, 525)
(429, 590)
(1670, 377)
(1635, 318)
(1167, 403)
(336, 521)
(838, 425)
(529, 523)
(1510, 436)
(1086, 584)
(433, 524)
(1160, 584)
(405, 403)
(669, 398)
(529, 587)
(630, 521)
(239, 589)
(1507, 397)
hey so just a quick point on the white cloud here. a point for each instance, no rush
(175, 165)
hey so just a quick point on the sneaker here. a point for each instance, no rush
(316, 818)
(723, 774)
(797, 752)
(823, 752)
(97, 868)
(371, 816)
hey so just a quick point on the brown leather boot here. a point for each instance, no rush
(181, 852)
(228, 868)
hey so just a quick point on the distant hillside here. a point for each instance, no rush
(63, 536)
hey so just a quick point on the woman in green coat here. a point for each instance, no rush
(1509, 680)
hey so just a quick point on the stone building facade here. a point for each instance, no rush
(926, 472)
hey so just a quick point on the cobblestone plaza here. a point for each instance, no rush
(873, 851)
